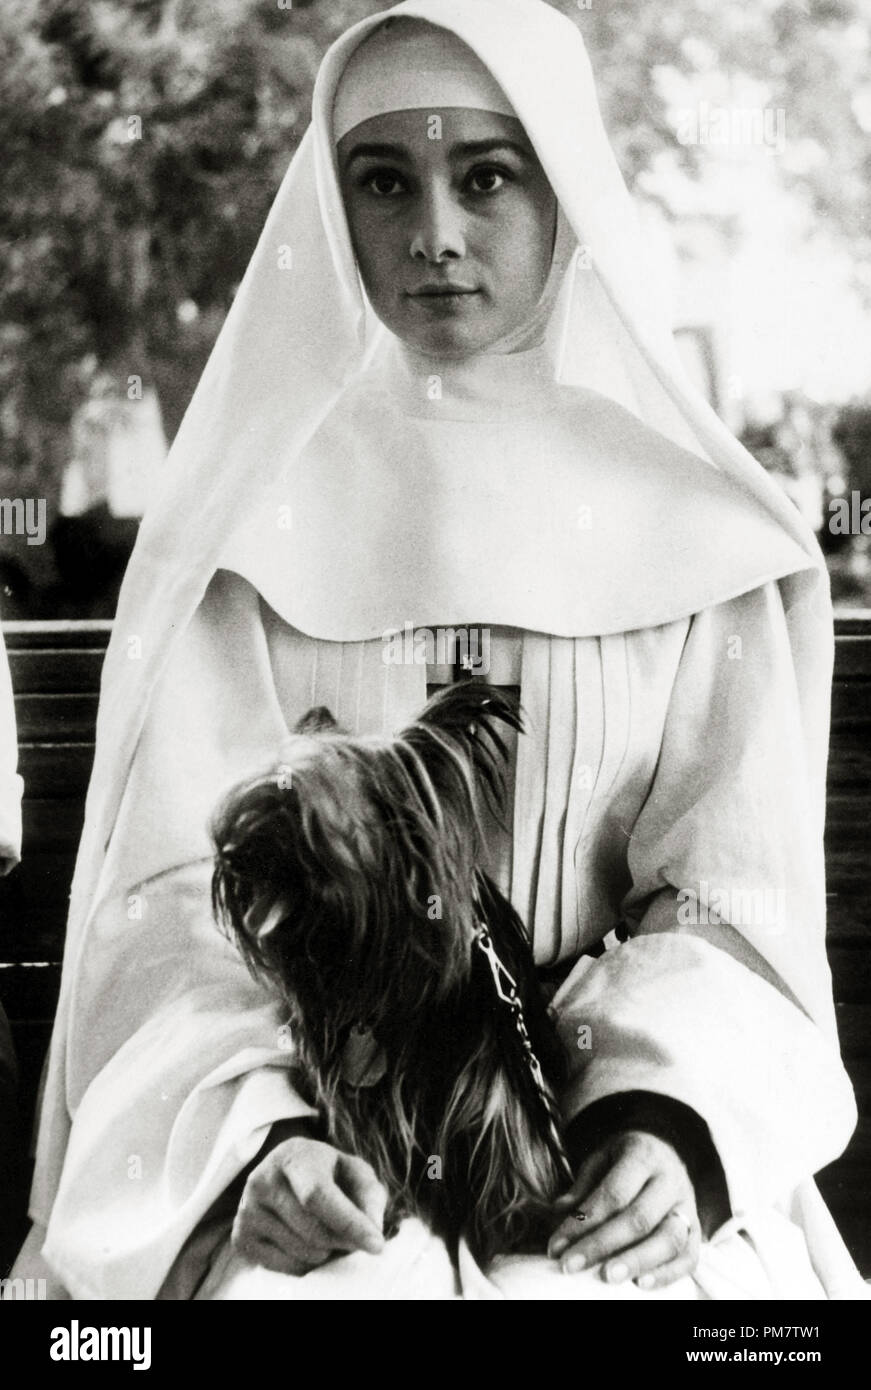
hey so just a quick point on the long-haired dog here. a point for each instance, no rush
(350, 878)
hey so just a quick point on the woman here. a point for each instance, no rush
(497, 434)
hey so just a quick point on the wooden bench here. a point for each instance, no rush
(56, 672)
(56, 678)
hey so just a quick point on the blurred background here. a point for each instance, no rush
(143, 142)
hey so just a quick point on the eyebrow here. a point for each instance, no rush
(464, 149)
(473, 147)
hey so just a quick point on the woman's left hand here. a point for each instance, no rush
(639, 1214)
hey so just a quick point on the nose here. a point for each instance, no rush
(439, 232)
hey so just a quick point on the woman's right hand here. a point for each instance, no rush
(304, 1202)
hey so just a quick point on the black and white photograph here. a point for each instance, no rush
(435, 689)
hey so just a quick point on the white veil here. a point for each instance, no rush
(299, 330)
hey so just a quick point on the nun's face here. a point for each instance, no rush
(453, 224)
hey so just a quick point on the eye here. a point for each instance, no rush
(383, 183)
(487, 178)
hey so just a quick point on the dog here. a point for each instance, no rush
(350, 880)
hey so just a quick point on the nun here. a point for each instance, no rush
(446, 397)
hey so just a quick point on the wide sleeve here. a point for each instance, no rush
(194, 1063)
(720, 998)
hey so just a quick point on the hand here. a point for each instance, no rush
(305, 1201)
(639, 1210)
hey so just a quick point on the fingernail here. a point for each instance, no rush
(615, 1274)
(645, 1282)
(574, 1265)
(556, 1247)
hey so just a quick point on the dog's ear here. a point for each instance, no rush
(469, 714)
(318, 720)
(457, 708)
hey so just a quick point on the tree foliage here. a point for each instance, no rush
(144, 141)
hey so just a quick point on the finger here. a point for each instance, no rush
(680, 1268)
(349, 1227)
(623, 1229)
(268, 1256)
(285, 1255)
(357, 1180)
(567, 1232)
(673, 1240)
(571, 1205)
(277, 1210)
(614, 1192)
(296, 1241)
(591, 1172)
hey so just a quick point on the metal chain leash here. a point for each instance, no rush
(506, 989)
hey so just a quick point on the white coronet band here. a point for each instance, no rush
(430, 70)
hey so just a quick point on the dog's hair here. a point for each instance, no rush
(350, 879)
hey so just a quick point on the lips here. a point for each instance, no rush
(441, 291)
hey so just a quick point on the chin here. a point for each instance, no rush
(448, 342)
(451, 336)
